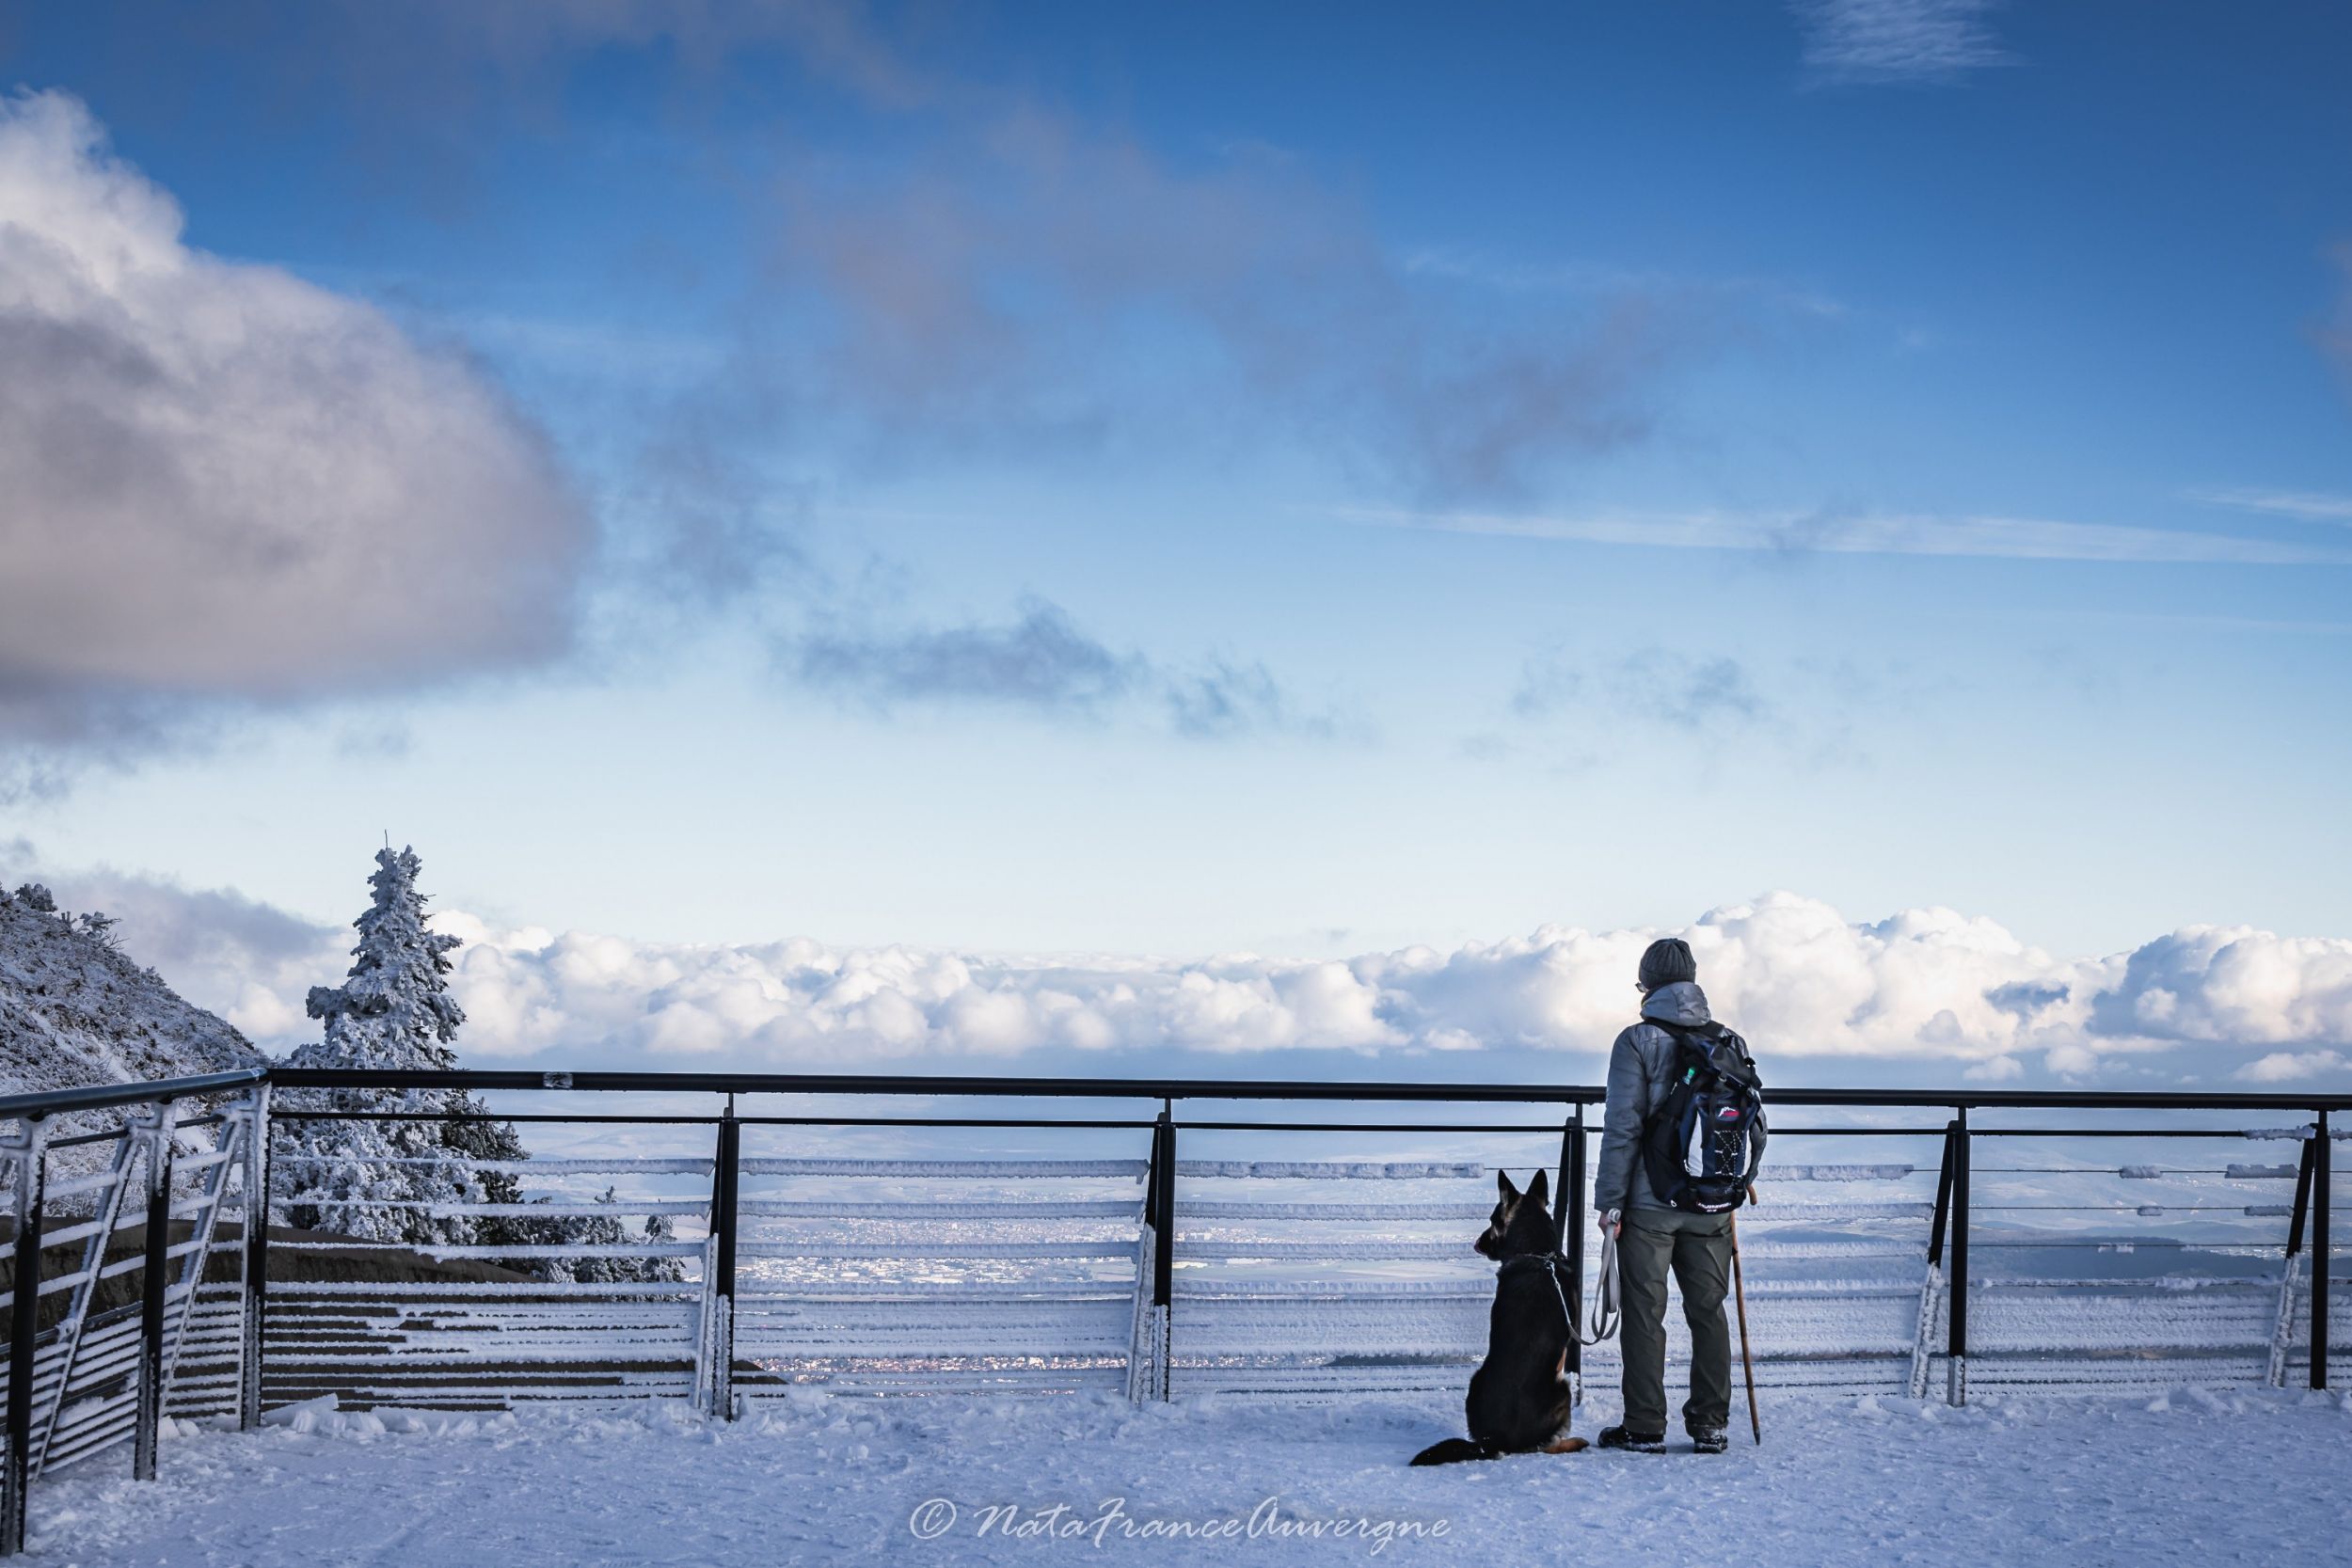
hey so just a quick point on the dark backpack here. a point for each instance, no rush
(1699, 1145)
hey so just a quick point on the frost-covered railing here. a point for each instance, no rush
(125, 1185)
(2176, 1263)
(709, 1238)
(1889, 1252)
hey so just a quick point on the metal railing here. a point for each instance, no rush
(92, 1378)
(498, 1333)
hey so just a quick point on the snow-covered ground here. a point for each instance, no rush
(2187, 1477)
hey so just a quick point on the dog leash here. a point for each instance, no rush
(1607, 1313)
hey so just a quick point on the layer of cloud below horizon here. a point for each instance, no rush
(1924, 987)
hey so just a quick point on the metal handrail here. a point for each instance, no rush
(101, 1096)
(1254, 1089)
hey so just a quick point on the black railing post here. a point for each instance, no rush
(1943, 1200)
(2298, 1214)
(2302, 1209)
(1160, 1201)
(155, 1282)
(1924, 1336)
(257, 1181)
(1163, 1209)
(2323, 1163)
(724, 1179)
(1956, 1342)
(30, 1151)
(1570, 1213)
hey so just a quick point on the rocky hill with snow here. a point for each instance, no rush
(76, 1009)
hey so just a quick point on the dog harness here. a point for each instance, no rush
(1606, 1313)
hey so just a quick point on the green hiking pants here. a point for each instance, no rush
(1698, 1248)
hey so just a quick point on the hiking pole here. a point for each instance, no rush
(1747, 1360)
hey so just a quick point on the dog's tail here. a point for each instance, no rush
(1454, 1450)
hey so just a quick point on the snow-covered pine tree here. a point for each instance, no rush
(393, 1012)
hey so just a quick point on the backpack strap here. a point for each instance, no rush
(1703, 1037)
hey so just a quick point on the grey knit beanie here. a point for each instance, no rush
(1667, 961)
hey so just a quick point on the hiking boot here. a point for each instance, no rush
(1709, 1439)
(1632, 1441)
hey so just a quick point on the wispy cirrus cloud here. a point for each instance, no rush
(1871, 533)
(2310, 506)
(1896, 40)
(1512, 275)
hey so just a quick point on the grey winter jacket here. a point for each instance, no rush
(1641, 1068)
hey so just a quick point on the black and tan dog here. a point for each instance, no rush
(1520, 1396)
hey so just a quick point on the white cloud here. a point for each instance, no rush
(2231, 983)
(224, 481)
(2070, 1061)
(1946, 994)
(2287, 1066)
(1924, 986)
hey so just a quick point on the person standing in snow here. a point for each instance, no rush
(1652, 1234)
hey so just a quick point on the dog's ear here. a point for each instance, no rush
(1539, 1190)
(1503, 1180)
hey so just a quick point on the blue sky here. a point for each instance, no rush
(1315, 480)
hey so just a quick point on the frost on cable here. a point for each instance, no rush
(404, 1181)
